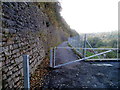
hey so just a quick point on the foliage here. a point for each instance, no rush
(107, 39)
(104, 40)
(90, 54)
(96, 42)
(113, 43)
(52, 10)
(112, 54)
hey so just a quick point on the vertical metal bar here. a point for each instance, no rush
(84, 46)
(51, 57)
(85, 43)
(117, 49)
(54, 57)
(26, 72)
(79, 41)
(118, 31)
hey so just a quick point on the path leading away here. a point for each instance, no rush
(64, 55)
(82, 74)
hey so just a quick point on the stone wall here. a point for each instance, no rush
(25, 30)
(0, 75)
(12, 60)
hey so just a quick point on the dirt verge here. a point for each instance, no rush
(38, 77)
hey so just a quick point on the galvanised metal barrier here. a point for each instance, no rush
(53, 56)
(80, 47)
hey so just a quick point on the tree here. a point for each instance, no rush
(113, 43)
(94, 41)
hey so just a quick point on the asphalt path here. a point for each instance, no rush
(82, 74)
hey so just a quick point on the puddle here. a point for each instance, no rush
(110, 65)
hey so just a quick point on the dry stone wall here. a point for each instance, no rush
(12, 61)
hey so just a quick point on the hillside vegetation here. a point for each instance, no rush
(52, 10)
(104, 40)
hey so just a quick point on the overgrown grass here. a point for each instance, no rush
(112, 54)
(88, 53)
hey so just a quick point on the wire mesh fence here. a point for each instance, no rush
(77, 42)
(82, 42)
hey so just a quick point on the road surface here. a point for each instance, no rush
(82, 74)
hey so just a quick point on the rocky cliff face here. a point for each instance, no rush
(28, 28)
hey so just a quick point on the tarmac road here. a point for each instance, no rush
(82, 74)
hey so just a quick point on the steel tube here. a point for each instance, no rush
(102, 59)
(26, 72)
(81, 59)
(98, 54)
(51, 57)
(90, 48)
(84, 46)
(54, 56)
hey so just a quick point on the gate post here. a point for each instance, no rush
(51, 57)
(84, 50)
(26, 72)
(54, 57)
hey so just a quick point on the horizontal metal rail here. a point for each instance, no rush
(82, 59)
(89, 48)
(98, 54)
(67, 63)
(102, 59)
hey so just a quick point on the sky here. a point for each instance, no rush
(88, 16)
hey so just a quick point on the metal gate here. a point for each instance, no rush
(80, 49)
